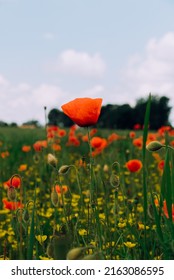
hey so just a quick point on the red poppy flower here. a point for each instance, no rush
(85, 138)
(164, 129)
(39, 145)
(132, 134)
(12, 205)
(161, 164)
(137, 126)
(61, 132)
(83, 111)
(14, 182)
(56, 147)
(172, 143)
(165, 210)
(26, 148)
(61, 189)
(52, 128)
(93, 131)
(73, 140)
(138, 142)
(134, 165)
(5, 154)
(98, 142)
(113, 137)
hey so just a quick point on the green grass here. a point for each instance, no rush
(107, 209)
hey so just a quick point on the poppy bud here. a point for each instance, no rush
(11, 193)
(54, 198)
(26, 216)
(114, 180)
(64, 169)
(19, 214)
(105, 168)
(96, 256)
(75, 253)
(89, 257)
(154, 146)
(50, 250)
(52, 160)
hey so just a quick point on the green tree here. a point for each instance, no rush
(159, 114)
(56, 117)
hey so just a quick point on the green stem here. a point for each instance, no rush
(63, 204)
(90, 168)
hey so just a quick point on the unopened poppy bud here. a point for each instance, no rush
(154, 146)
(26, 216)
(19, 214)
(52, 160)
(105, 168)
(64, 169)
(11, 193)
(54, 198)
(89, 257)
(114, 180)
(96, 256)
(75, 253)
(50, 250)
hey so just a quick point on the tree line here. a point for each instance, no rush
(114, 116)
(123, 116)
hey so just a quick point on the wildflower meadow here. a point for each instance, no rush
(83, 193)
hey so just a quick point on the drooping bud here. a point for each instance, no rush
(11, 193)
(114, 180)
(116, 167)
(64, 169)
(89, 257)
(26, 216)
(50, 250)
(19, 214)
(54, 198)
(75, 253)
(95, 256)
(105, 168)
(154, 146)
(52, 160)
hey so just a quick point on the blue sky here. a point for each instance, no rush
(56, 50)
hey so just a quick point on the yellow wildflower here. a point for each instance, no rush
(41, 238)
(129, 244)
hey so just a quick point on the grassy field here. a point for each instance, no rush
(86, 194)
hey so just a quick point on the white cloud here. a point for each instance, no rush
(80, 63)
(20, 88)
(93, 92)
(149, 71)
(22, 102)
(3, 81)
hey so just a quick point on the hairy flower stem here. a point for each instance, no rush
(90, 169)
(78, 184)
(92, 200)
(45, 111)
(64, 212)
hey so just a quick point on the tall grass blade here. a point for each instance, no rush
(145, 134)
(157, 216)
